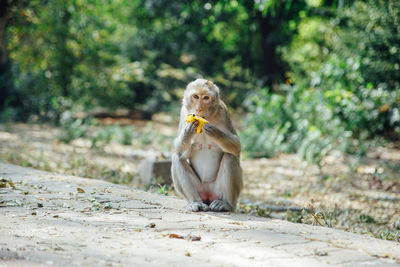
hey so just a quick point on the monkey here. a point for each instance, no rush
(205, 167)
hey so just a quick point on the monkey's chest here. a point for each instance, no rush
(205, 159)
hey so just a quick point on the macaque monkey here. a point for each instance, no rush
(205, 166)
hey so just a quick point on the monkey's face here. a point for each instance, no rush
(201, 103)
(201, 97)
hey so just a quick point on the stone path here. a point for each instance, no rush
(48, 219)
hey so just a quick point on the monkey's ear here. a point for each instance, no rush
(210, 84)
(216, 89)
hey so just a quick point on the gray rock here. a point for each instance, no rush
(155, 171)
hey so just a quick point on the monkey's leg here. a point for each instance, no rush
(228, 184)
(187, 183)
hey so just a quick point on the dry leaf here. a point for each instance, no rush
(188, 237)
(151, 225)
(175, 236)
(80, 190)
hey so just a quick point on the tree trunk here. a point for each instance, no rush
(5, 64)
(272, 65)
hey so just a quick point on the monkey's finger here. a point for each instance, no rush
(193, 126)
(189, 126)
(193, 206)
(216, 204)
(219, 205)
(204, 207)
(209, 129)
(197, 206)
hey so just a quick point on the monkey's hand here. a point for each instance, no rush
(220, 205)
(227, 141)
(198, 119)
(189, 130)
(197, 206)
(212, 130)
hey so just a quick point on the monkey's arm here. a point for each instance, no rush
(229, 142)
(182, 143)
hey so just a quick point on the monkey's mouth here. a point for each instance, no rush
(201, 114)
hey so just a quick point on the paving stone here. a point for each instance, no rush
(341, 256)
(309, 248)
(373, 263)
(115, 225)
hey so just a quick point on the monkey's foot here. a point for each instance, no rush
(220, 205)
(197, 206)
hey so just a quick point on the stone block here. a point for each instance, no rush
(155, 171)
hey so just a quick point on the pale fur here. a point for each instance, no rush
(220, 160)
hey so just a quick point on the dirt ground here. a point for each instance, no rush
(360, 195)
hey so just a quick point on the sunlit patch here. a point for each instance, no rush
(369, 170)
(4, 136)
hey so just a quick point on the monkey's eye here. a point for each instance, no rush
(196, 97)
(206, 97)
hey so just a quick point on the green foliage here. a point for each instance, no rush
(72, 128)
(314, 75)
(295, 216)
(343, 85)
(285, 124)
(390, 235)
(351, 59)
(64, 57)
(163, 190)
(365, 218)
(79, 54)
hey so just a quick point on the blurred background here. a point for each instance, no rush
(90, 87)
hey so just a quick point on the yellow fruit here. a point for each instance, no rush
(194, 118)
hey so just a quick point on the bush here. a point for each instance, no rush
(345, 71)
(351, 58)
(301, 121)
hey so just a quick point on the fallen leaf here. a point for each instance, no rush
(151, 225)
(188, 237)
(80, 190)
(187, 254)
(175, 236)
